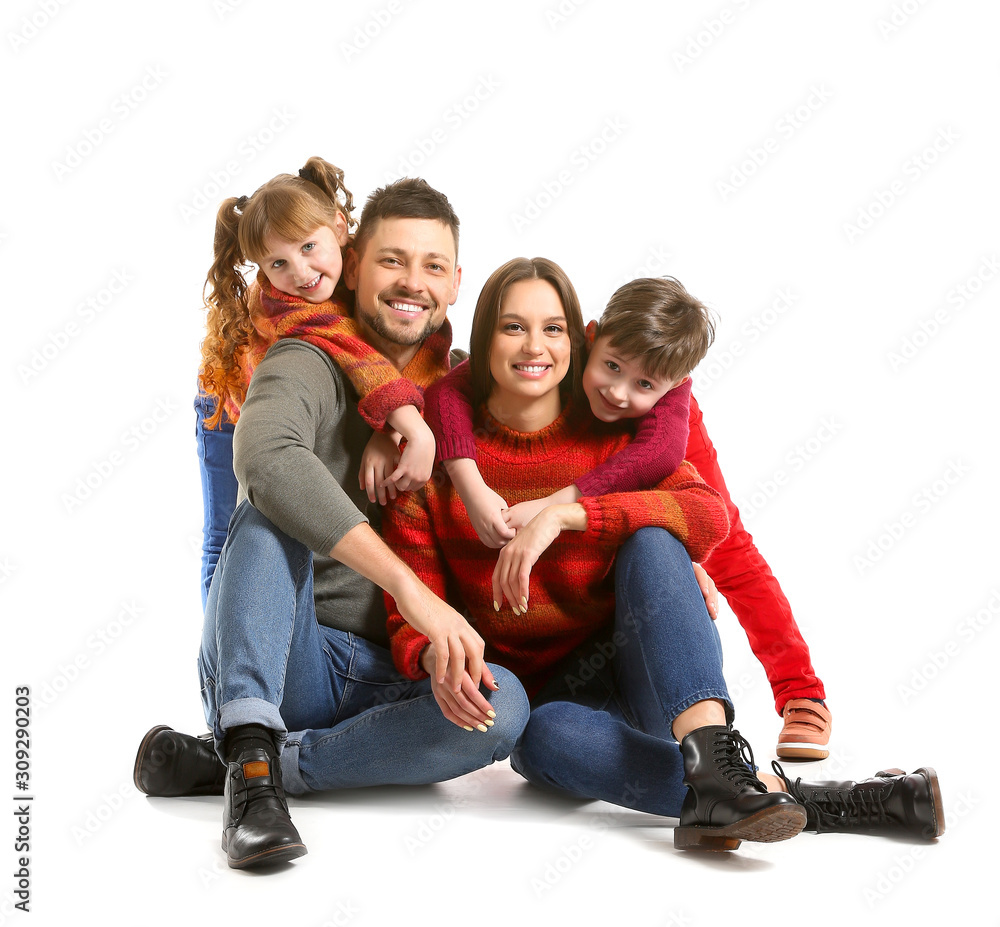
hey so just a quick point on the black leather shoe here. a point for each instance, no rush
(891, 801)
(726, 802)
(170, 763)
(257, 830)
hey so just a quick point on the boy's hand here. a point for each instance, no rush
(484, 506)
(380, 458)
(416, 463)
(708, 590)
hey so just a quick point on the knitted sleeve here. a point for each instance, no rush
(406, 528)
(448, 413)
(654, 453)
(380, 386)
(683, 503)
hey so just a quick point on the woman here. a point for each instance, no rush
(618, 672)
(620, 667)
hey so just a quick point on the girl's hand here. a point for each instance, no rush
(380, 458)
(416, 463)
(708, 590)
(513, 569)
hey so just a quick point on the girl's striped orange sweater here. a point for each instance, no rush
(572, 584)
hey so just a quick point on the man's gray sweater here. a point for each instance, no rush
(297, 452)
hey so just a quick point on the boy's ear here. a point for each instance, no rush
(590, 334)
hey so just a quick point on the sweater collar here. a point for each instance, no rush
(506, 444)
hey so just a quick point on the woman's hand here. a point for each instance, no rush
(517, 516)
(708, 590)
(380, 458)
(467, 706)
(513, 569)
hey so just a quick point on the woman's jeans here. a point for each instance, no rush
(345, 717)
(218, 485)
(601, 727)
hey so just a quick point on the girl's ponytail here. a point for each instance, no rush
(330, 179)
(228, 321)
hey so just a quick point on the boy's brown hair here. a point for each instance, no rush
(655, 321)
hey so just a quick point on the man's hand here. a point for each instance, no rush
(456, 648)
(708, 590)
(467, 706)
(381, 456)
(486, 509)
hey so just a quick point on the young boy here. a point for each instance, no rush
(652, 334)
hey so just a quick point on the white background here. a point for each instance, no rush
(732, 144)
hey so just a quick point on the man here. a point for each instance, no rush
(297, 683)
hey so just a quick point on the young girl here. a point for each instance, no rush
(638, 337)
(294, 229)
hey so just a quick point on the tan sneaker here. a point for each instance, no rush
(806, 732)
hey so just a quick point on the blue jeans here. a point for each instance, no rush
(345, 717)
(219, 486)
(601, 727)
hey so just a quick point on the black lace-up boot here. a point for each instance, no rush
(170, 763)
(891, 801)
(257, 829)
(726, 802)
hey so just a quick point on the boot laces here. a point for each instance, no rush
(260, 794)
(737, 763)
(833, 809)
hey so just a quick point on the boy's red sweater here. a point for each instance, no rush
(572, 584)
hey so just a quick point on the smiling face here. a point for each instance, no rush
(309, 268)
(404, 280)
(617, 387)
(531, 349)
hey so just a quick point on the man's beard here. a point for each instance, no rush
(402, 335)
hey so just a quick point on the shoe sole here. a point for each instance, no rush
(767, 826)
(272, 857)
(802, 751)
(931, 776)
(141, 755)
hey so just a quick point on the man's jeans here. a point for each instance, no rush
(218, 485)
(601, 727)
(345, 715)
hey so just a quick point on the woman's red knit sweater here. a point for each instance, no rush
(572, 584)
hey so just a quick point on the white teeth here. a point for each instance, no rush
(311, 283)
(530, 369)
(406, 307)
